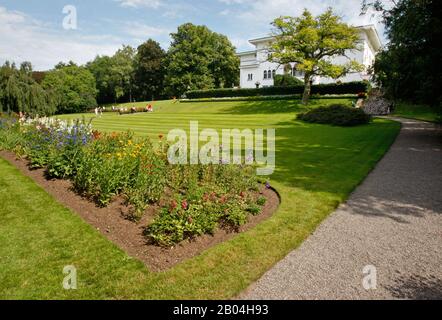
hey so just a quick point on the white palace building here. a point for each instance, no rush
(255, 70)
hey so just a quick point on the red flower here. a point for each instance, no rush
(173, 205)
(184, 205)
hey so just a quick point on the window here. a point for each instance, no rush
(250, 77)
(297, 73)
(273, 74)
(265, 74)
(270, 74)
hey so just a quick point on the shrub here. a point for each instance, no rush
(173, 226)
(336, 114)
(287, 80)
(261, 201)
(254, 209)
(182, 219)
(322, 89)
(10, 135)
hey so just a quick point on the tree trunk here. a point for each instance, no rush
(307, 89)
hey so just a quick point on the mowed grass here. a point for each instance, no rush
(419, 112)
(317, 167)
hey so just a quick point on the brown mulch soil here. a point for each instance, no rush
(112, 221)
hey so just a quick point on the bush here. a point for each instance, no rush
(287, 80)
(322, 89)
(10, 135)
(337, 114)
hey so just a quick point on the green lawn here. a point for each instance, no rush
(419, 112)
(316, 168)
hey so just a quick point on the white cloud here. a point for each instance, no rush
(225, 12)
(258, 14)
(25, 39)
(233, 1)
(139, 30)
(241, 43)
(140, 3)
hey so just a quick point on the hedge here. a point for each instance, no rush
(332, 88)
(271, 98)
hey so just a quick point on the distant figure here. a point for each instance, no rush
(96, 111)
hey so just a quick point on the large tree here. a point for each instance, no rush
(149, 70)
(122, 72)
(74, 87)
(101, 68)
(409, 67)
(20, 92)
(313, 42)
(223, 63)
(199, 59)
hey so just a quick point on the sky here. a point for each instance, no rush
(35, 30)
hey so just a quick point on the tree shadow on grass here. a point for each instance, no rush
(334, 160)
(279, 106)
(318, 157)
(267, 107)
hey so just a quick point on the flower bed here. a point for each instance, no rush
(192, 200)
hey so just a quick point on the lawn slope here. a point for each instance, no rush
(316, 168)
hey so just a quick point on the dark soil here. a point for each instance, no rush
(112, 221)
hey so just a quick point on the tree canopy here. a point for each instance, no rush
(149, 70)
(200, 59)
(73, 87)
(20, 92)
(409, 67)
(312, 42)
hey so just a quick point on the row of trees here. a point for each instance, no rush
(65, 89)
(198, 58)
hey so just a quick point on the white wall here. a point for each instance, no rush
(256, 65)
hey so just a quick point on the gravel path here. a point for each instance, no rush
(393, 221)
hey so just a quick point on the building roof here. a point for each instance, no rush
(244, 53)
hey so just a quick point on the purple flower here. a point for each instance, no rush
(268, 185)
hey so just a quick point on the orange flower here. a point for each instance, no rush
(96, 135)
